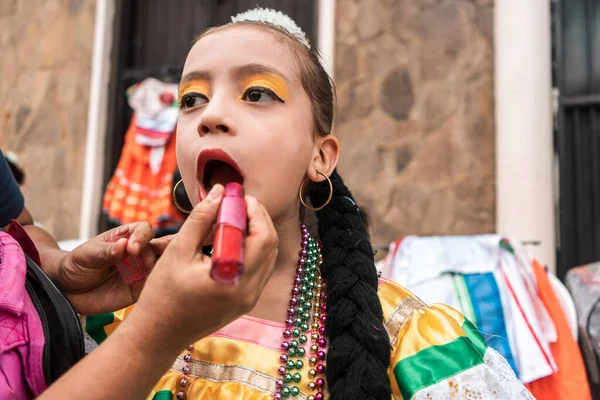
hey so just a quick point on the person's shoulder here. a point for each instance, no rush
(438, 353)
(392, 295)
(402, 308)
(398, 304)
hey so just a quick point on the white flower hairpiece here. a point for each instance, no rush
(276, 18)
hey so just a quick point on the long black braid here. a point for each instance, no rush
(359, 352)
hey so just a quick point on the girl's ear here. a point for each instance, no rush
(325, 158)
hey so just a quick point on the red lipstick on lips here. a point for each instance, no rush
(204, 158)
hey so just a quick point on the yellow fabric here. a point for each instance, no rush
(232, 370)
(429, 326)
(390, 295)
(242, 369)
(119, 317)
(204, 389)
(423, 326)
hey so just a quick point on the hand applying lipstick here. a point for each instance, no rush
(228, 248)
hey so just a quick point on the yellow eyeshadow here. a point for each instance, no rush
(195, 86)
(270, 81)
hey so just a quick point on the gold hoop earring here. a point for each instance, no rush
(183, 210)
(328, 198)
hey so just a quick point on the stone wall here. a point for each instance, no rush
(415, 109)
(44, 84)
(415, 114)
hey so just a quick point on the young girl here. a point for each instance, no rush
(257, 108)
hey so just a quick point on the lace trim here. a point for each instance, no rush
(494, 379)
(400, 316)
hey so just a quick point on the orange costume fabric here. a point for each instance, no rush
(570, 382)
(135, 193)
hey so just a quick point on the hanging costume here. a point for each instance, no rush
(506, 295)
(569, 382)
(140, 189)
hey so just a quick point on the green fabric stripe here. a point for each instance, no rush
(472, 318)
(95, 324)
(476, 339)
(464, 297)
(163, 395)
(505, 245)
(434, 364)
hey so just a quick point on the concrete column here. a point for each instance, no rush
(524, 145)
(326, 32)
(96, 124)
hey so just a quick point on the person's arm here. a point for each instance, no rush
(12, 206)
(51, 256)
(87, 275)
(179, 305)
(125, 366)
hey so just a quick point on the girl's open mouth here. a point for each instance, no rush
(216, 166)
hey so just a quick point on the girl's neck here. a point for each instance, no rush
(290, 244)
(274, 299)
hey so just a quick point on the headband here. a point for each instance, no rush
(276, 18)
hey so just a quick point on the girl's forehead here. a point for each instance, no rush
(233, 46)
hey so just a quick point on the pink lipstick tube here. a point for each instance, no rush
(132, 269)
(228, 246)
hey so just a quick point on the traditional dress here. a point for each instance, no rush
(141, 186)
(436, 354)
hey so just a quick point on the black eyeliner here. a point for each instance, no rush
(266, 91)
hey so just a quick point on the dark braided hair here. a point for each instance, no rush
(359, 351)
(359, 348)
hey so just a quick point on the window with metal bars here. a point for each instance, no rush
(576, 78)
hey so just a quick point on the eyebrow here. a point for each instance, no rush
(255, 69)
(239, 72)
(195, 76)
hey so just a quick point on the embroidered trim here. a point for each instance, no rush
(230, 373)
(399, 316)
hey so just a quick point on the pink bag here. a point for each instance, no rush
(40, 333)
(21, 332)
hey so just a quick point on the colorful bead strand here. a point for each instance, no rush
(186, 370)
(307, 294)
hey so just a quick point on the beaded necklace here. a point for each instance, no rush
(308, 293)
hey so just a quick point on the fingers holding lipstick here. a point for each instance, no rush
(199, 223)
